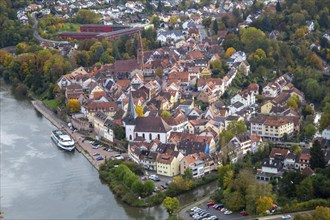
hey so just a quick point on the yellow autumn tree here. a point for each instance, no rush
(230, 51)
(139, 110)
(263, 204)
(73, 105)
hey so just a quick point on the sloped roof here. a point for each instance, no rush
(151, 124)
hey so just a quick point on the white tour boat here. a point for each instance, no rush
(63, 140)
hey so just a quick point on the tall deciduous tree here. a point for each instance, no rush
(171, 204)
(263, 204)
(139, 110)
(73, 105)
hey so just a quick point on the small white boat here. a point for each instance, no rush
(63, 140)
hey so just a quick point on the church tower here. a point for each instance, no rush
(129, 119)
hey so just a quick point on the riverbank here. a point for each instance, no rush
(82, 147)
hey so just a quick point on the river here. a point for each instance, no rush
(40, 181)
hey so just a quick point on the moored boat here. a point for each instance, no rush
(63, 140)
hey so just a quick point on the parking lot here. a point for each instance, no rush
(163, 180)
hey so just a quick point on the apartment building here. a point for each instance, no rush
(273, 127)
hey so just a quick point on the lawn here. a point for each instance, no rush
(71, 27)
(51, 103)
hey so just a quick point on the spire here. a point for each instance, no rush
(131, 113)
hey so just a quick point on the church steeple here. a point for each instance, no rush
(131, 113)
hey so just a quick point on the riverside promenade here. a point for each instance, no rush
(83, 147)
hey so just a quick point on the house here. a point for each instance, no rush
(244, 68)
(274, 88)
(169, 165)
(289, 161)
(326, 133)
(272, 127)
(73, 91)
(279, 153)
(192, 162)
(240, 145)
(271, 166)
(246, 97)
(207, 96)
(256, 143)
(77, 76)
(310, 26)
(171, 35)
(103, 126)
(302, 160)
(91, 107)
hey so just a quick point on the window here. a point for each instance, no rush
(130, 137)
(150, 137)
(143, 136)
(158, 135)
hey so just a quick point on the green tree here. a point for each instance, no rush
(149, 187)
(305, 190)
(309, 130)
(317, 156)
(87, 17)
(237, 127)
(278, 6)
(222, 171)
(171, 204)
(252, 38)
(188, 174)
(295, 148)
(166, 114)
(119, 132)
(321, 213)
(325, 117)
(83, 58)
(138, 187)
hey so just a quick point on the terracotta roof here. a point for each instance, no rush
(196, 54)
(124, 83)
(279, 153)
(102, 106)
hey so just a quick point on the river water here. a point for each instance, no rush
(40, 181)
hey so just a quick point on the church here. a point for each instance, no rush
(144, 128)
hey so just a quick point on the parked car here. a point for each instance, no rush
(223, 210)
(154, 178)
(210, 203)
(220, 206)
(99, 158)
(96, 154)
(244, 213)
(286, 217)
(118, 157)
(227, 212)
(144, 178)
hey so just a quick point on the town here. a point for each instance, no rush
(180, 94)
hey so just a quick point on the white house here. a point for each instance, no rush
(326, 133)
